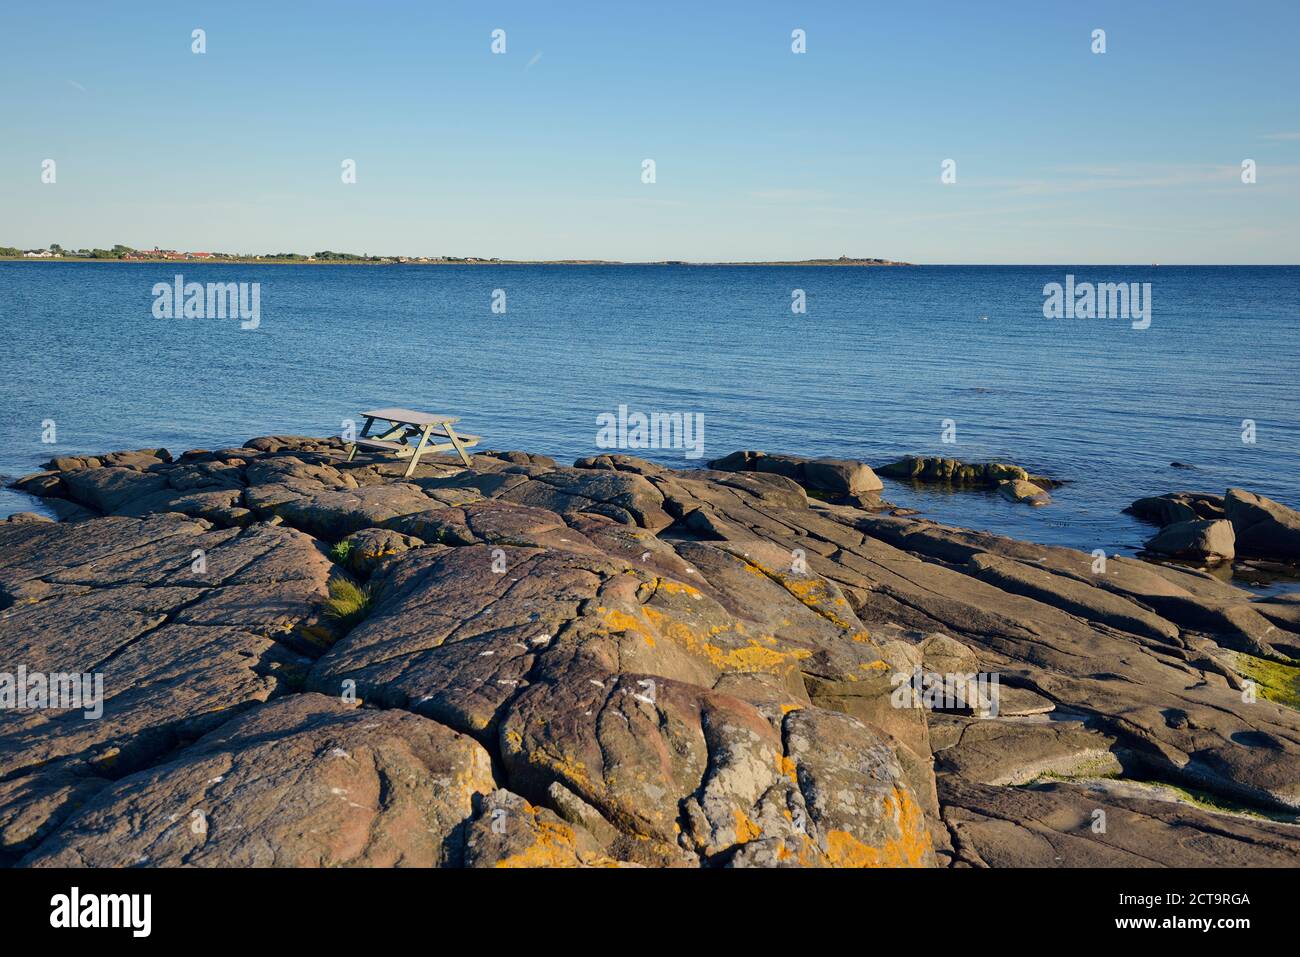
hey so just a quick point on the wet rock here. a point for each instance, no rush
(956, 472)
(1018, 490)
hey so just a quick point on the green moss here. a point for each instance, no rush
(1213, 802)
(339, 552)
(348, 602)
(1275, 681)
(1100, 768)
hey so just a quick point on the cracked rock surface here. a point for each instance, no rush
(615, 664)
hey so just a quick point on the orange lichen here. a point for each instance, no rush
(554, 845)
(746, 830)
(787, 767)
(814, 593)
(563, 765)
(911, 848)
(754, 657)
(670, 586)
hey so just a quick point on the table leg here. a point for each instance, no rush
(365, 431)
(415, 456)
(455, 440)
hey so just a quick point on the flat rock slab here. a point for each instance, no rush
(173, 650)
(1058, 825)
(303, 782)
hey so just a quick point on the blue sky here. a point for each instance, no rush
(1063, 156)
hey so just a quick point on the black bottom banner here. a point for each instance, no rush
(339, 906)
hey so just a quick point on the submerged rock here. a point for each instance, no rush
(956, 472)
(1018, 490)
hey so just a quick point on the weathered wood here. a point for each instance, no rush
(398, 447)
(455, 440)
(415, 456)
(411, 416)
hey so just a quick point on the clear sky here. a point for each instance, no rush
(1062, 155)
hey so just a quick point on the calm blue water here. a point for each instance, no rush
(879, 360)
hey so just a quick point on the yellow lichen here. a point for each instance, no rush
(910, 849)
(554, 845)
(746, 830)
(670, 586)
(787, 767)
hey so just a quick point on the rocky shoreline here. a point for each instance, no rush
(311, 662)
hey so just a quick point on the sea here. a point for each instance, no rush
(1192, 387)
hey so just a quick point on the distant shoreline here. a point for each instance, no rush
(404, 261)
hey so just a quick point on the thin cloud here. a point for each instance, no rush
(76, 85)
(1282, 136)
(533, 62)
(1149, 176)
(791, 195)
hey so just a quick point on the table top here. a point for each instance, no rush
(410, 416)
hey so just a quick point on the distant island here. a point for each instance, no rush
(121, 253)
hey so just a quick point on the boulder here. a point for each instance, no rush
(1210, 541)
(1264, 528)
(1177, 507)
(366, 551)
(841, 476)
(1019, 490)
(837, 477)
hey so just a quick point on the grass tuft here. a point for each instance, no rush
(348, 602)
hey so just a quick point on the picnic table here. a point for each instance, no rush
(404, 425)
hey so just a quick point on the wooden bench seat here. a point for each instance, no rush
(381, 445)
